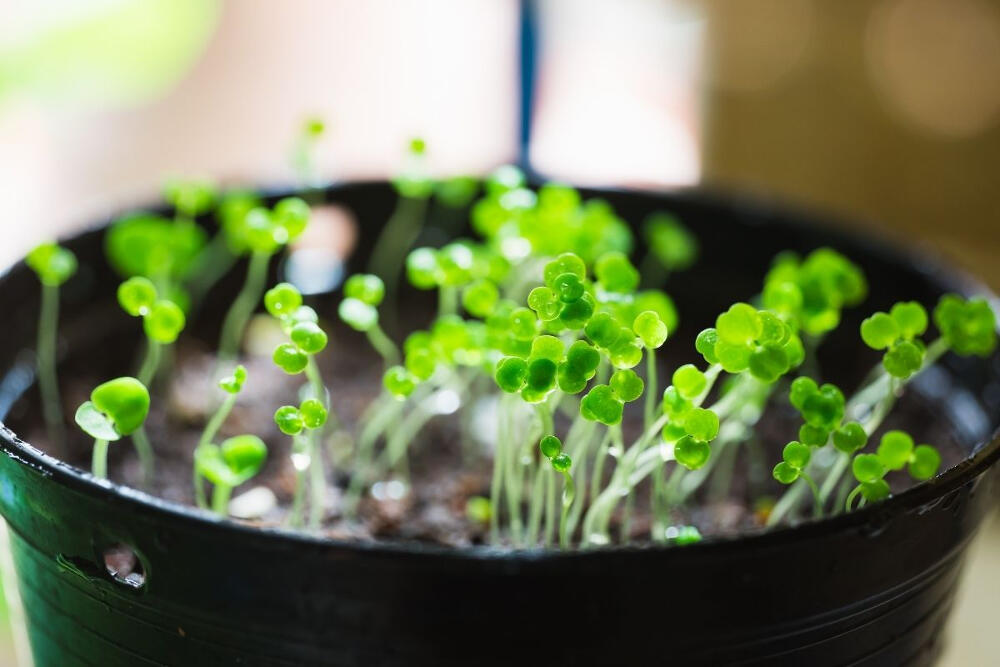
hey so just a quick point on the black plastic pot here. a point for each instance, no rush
(870, 588)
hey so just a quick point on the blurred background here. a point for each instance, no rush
(883, 112)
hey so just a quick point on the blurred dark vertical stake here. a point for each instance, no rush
(529, 46)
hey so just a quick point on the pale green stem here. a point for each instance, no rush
(99, 459)
(515, 481)
(150, 363)
(147, 458)
(535, 506)
(215, 423)
(651, 393)
(370, 433)
(48, 381)
(316, 386)
(568, 496)
(243, 306)
(213, 262)
(383, 344)
(626, 525)
(660, 517)
(496, 483)
(447, 300)
(550, 504)
(817, 504)
(394, 241)
(580, 456)
(220, 499)
(299, 494)
(850, 498)
(597, 479)
(317, 482)
(207, 436)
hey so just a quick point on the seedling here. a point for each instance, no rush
(264, 232)
(303, 424)
(232, 386)
(967, 328)
(116, 408)
(403, 227)
(162, 250)
(53, 265)
(310, 133)
(226, 466)
(363, 293)
(162, 321)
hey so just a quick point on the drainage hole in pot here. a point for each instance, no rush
(124, 565)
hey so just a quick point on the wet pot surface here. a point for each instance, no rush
(870, 588)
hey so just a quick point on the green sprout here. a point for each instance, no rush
(363, 293)
(162, 321)
(795, 457)
(896, 451)
(670, 242)
(190, 198)
(116, 408)
(895, 332)
(551, 448)
(756, 340)
(310, 133)
(813, 291)
(265, 233)
(232, 385)
(403, 227)
(969, 327)
(304, 423)
(227, 465)
(53, 265)
(156, 248)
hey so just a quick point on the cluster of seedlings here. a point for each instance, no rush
(544, 323)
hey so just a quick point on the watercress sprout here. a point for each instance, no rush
(795, 457)
(227, 465)
(403, 227)
(162, 320)
(116, 408)
(265, 233)
(304, 423)
(232, 385)
(359, 310)
(968, 326)
(53, 265)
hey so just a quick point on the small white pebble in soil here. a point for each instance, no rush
(598, 540)
(391, 490)
(253, 504)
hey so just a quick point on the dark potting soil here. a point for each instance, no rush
(445, 467)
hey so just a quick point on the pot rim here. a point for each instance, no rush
(912, 499)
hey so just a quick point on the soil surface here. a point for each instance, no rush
(445, 467)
